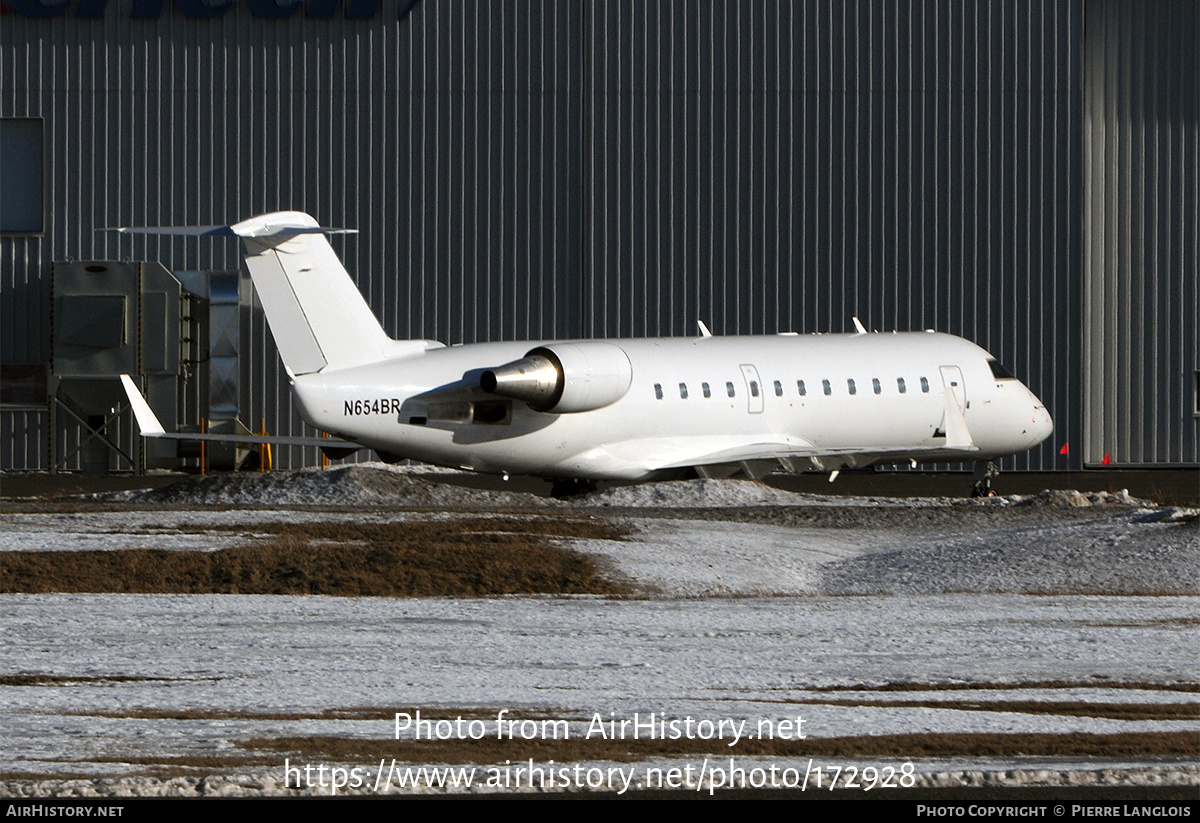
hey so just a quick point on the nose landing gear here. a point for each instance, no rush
(562, 489)
(985, 473)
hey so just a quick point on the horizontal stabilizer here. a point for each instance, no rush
(254, 227)
(175, 231)
(317, 314)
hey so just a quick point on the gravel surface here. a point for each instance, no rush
(756, 600)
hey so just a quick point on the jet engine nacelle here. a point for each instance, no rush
(564, 377)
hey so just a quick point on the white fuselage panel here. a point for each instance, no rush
(841, 399)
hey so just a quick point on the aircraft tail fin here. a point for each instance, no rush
(317, 315)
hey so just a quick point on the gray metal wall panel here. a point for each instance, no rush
(540, 169)
(24, 434)
(775, 166)
(447, 138)
(1142, 244)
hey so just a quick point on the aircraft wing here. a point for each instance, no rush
(789, 448)
(689, 452)
(151, 427)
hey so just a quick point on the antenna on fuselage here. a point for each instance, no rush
(704, 332)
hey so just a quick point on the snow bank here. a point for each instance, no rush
(693, 494)
(365, 485)
(378, 485)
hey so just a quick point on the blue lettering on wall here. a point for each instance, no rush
(90, 9)
(34, 8)
(210, 9)
(272, 9)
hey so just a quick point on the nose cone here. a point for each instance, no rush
(1040, 426)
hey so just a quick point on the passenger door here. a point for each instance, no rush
(952, 379)
(754, 388)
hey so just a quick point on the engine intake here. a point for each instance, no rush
(564, 377)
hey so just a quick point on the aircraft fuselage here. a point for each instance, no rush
(614, 409)
(705, 401)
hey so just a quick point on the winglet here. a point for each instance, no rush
(860, 329)
(704, 332)
(146, 420)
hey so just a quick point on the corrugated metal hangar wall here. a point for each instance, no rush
(563, 169)
(1142, 232)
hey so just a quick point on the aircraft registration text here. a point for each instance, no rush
(382, 405)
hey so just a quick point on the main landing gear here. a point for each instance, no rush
(562, 489)
(985, 473)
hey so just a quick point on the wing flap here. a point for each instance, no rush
(701, 452)
(151, 427)
(787, 447)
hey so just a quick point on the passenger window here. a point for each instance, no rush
(828, 388)
(658, 391)
(900, 385)
(778, 389)
(754, 388)
(683, 391)
(800, 386)
(850, 385)
(707, 391)
(924, 385)
(876, 385)
(729, 389)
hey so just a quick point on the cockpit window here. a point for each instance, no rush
(999, 372)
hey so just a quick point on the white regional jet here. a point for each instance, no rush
(584, 410)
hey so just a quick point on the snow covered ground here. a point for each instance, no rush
(755, 614)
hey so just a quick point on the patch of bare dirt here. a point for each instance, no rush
(468, 557)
